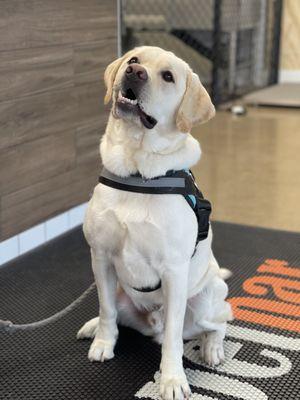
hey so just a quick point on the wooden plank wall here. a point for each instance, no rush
(290, 34)
(52, 58)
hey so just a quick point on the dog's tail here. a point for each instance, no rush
(225, 273)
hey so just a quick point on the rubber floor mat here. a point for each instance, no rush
(262, 345)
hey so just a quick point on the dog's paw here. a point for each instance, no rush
(211, 349)
(174, 387)
(89, 329)
(101, 350)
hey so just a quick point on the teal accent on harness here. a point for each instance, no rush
(193, 199)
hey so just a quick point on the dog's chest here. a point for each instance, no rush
(142, 248)
(140, 232)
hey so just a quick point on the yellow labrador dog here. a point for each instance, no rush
(139, 239)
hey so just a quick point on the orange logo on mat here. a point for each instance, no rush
(283, 310)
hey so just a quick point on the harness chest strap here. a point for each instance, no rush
(174, 182)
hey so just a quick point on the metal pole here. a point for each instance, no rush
(259, 73)
(276, 40)
(215, 90)
(119, 33)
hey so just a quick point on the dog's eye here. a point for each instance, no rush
(133, 60)
(167, 76)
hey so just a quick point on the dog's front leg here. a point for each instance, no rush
(106, 335)
(174, 384)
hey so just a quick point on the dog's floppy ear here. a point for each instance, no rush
(109, 78)
(196, 106)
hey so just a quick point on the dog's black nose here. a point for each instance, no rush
(136, 72)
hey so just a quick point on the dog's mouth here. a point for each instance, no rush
(128, 102)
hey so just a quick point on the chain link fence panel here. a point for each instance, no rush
(233, 45)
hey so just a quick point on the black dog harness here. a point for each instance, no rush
(174, 182)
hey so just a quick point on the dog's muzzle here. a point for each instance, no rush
(134, 79)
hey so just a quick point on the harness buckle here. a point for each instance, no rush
(203, 210)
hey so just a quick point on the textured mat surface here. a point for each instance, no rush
(262, 345)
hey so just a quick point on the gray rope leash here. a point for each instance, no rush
(10, 327)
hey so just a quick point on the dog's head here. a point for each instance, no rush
(150, 86)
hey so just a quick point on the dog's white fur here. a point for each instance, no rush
(138, 239)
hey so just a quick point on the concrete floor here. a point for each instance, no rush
(250, 167)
